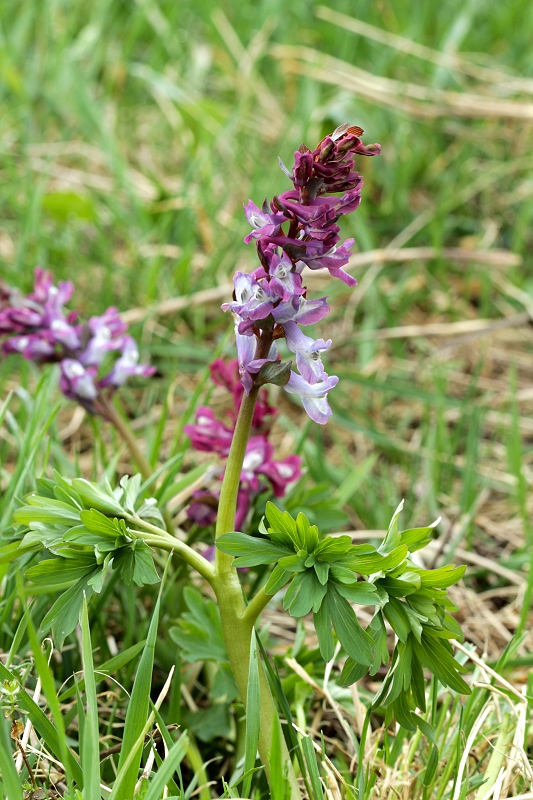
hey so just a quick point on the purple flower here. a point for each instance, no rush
(32, 347)
(313, 396)
(77, 382)
(284, 280)
(248, 365)
(209, 435)
(126, 365)
(262, 221)
(106, 330)
(301, 310)
(333, 260)
(307, 352)
(253, 299)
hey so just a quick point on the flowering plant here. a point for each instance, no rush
(97, 530)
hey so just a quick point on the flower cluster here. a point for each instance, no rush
(259, 469)
(270, 303)
(37, 327)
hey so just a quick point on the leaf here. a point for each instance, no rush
(331, 548)
(95, 497)
(276, 372)
(43, 726)
(281, 522)
(372, 563)
(352, 672)
(392, 538)
(253, 716)
(434, 655)
(305, 593)
(356, 642)
(90, 748)
(131, 487)
(11, 782)
(52, 571)
(137, 713)
(99, 523)
(251, 551)
(441, 578)
(199, 630)
(362, 592)
(324, 632)
(65, 612)
(417, 538)
(397, 618)
(278, 578)
(48, 510)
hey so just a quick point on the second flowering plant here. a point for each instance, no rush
(97, 531)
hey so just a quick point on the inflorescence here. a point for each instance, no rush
(270, 303)
(37, 327)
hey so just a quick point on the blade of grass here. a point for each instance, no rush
(90, 760)
(252, 717)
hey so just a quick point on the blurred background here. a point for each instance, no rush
(131, 134)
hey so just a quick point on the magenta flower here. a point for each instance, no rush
(209, 435)
(260, 471)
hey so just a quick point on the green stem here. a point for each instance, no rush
(157, 537)
(256, 606)
(127, 435)
(237, 624)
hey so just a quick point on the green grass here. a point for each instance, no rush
(131, 134)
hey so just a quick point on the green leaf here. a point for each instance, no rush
(392, 538)
(322, 571)
(441, 578)
(11, 781)
(417, 538)
(45, 509)
(251, 551)
(372, 563)
(278, 578)
(357, 643)
(253, 716)
(43, 726)
(94, 496)
(90, 748)
(352, 672)
(96, 522)
(282, 522)
(275, 372)
(199, 630)
(137, 714)
(294, 563)
(362, 592)
(52, 571)
(305, 593)
(434, 655)
(324, 632)
(65, 612)
(171, 763)
(397, 618)
(331, 548)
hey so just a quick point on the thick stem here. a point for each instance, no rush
(236, 626)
